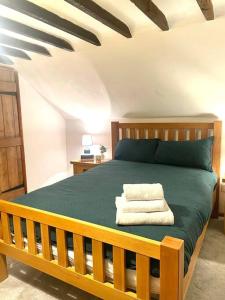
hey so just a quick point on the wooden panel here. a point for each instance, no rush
(31, 237)
(132, 133)
(171, 134)
(143, 277)
(13, 172)
(142, 133)
(7, 108)
(79, 254)
(15, 116)
(20, 165)
(151, 133)
(61, 248)
(2, 128)
(4, 179)
(192, 134)
(3, 268)
(124, 133)
(181, 135)
(7, 87)
(98, 261)
(171, 269)
(161, 134)
(18, 232)
(115, 136)
(119, 269)
(204, 133)
(7, 74)
(10, 142)
(6, 228)
(107, 235)
(45, 242)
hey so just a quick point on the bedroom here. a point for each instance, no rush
(159, 72)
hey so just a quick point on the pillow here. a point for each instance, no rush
(136, 150)
(195, 154)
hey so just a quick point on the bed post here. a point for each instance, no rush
(171, 269)
(217, 130)
(115, 136)
(3, 263)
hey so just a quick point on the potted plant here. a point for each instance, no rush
(102, 150)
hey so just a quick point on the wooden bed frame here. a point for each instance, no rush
(170, 252)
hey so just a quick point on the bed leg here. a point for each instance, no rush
(171, 269)
(3, 268)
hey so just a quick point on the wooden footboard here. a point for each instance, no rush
(170, 252)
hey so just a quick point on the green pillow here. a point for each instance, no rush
(142, 150)
(194, 154)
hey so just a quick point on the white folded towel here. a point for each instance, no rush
(152, 218)
(140, 206)
(143, 191)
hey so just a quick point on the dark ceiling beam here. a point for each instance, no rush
(5, 60)
(34, 33)
(16, 43)
(206, 7)
(14, 52)
(94, 10)
(43, 15)
(152, 12)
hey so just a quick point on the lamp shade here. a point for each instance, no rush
(86, 140)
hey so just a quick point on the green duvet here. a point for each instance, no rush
(91, 197)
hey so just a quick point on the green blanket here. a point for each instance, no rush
(91, 197)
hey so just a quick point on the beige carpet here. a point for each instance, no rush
(25, 283)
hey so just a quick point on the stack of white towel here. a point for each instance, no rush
(143, 204)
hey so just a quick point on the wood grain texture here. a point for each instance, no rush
(99, 13)
(36, 34)
(84, 282)
(152, 12)
(142, 275)
(171, 269)
(6, 228)
(61, 248)
(31, 237)
(45, 242)
(79, 254)
(7, 87)
(98, 261)
(18, 234)
(206, 7)
(3, 268)
(46, 16)
(119, 268)
(106, 235)
(7, 74)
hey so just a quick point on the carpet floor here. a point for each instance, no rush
(208, 282)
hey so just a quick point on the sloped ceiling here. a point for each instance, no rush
(179, 72)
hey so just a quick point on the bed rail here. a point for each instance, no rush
(170, 252)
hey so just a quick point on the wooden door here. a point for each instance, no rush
(12, 166)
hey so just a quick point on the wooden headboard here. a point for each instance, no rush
(170, 132)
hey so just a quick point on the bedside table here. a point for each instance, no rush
(80, 166)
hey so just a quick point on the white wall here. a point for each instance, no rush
(44, 139)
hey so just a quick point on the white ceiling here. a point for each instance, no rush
(155, 73)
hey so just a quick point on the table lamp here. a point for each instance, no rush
(86, 143)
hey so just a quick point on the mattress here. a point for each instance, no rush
(91, 197)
